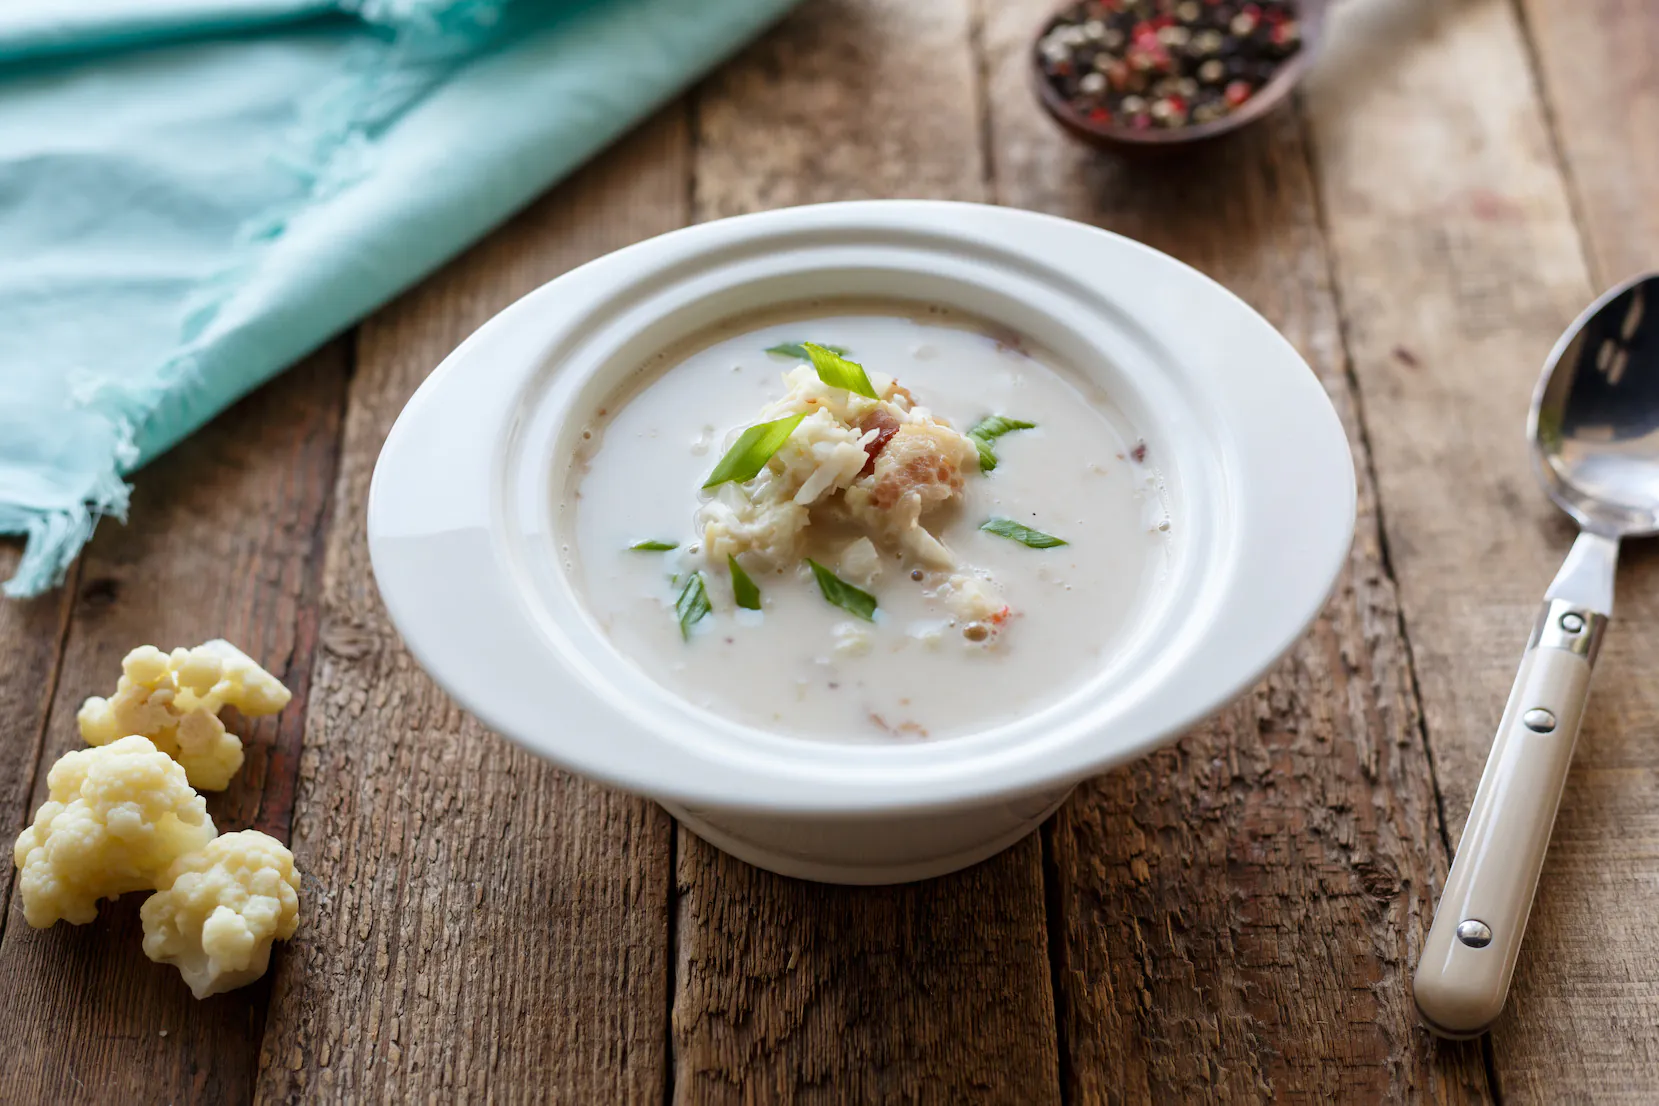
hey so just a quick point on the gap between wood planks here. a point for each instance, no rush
(1363, 435)
(25, 621)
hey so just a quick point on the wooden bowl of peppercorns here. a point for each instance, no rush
(1144, 76)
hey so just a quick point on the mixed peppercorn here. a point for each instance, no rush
(1142, 64)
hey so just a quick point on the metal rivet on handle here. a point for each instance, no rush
(1474, 933)
(1539, 720)
(1572, 623)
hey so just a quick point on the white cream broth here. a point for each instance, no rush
(1075, 476)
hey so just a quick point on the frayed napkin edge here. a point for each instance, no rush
(327, 151)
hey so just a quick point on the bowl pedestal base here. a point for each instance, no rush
(870, 850)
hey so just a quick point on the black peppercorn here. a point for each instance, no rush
(1165, 63)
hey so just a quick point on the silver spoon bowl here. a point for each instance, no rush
(1595, 416)
(1594, 428)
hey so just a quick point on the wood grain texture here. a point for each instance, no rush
(1596, 61)
(845, 100)
(791, 991)
(222, 545)
(1238, 915)
(477, 924)
(1457, 268)
(31, 649)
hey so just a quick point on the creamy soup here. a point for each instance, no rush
(971, 626)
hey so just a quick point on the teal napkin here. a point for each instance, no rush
(195, 193)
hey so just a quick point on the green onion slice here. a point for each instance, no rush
(987, 430)
(744, 589)
(753, 448)
(1025, 535)
(798, 351)
(654, 546)
(693, 604)
(837, 371)
(854, 601)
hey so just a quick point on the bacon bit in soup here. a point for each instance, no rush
(885, 426)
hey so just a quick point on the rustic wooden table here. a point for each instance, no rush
(1232, 919)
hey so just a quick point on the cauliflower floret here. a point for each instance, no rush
(241, 683)
(115, 818)
(860, 563)
(174, 700)
(851, 639)
(975, 603)
(217, 911)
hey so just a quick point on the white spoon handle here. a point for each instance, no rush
(1469, 956)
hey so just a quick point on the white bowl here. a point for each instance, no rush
(462, 531)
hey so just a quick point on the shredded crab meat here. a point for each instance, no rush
(879, 466)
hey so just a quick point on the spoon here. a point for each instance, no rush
(1594, 428)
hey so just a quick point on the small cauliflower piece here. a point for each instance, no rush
(174, 700)
(241, 682)
(115, 819)
(860, 563)
(851, 639)
(974, 601)
(218, 909)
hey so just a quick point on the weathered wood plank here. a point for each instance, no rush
(1596, 64)
(31, 649)
(1457, 262)
(222, 543)
(478, 924)
(1238, 915)
(845, 100)
(931, 992)
(794, 991)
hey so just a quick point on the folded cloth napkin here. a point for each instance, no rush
(194, 193)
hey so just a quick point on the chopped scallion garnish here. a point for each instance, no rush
(654, 546)
(1025, 535)
(744, 589)
(693, 604)
(753, 448)
(798, 351)
(855, 601)
(837, 371)
(987, 430)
